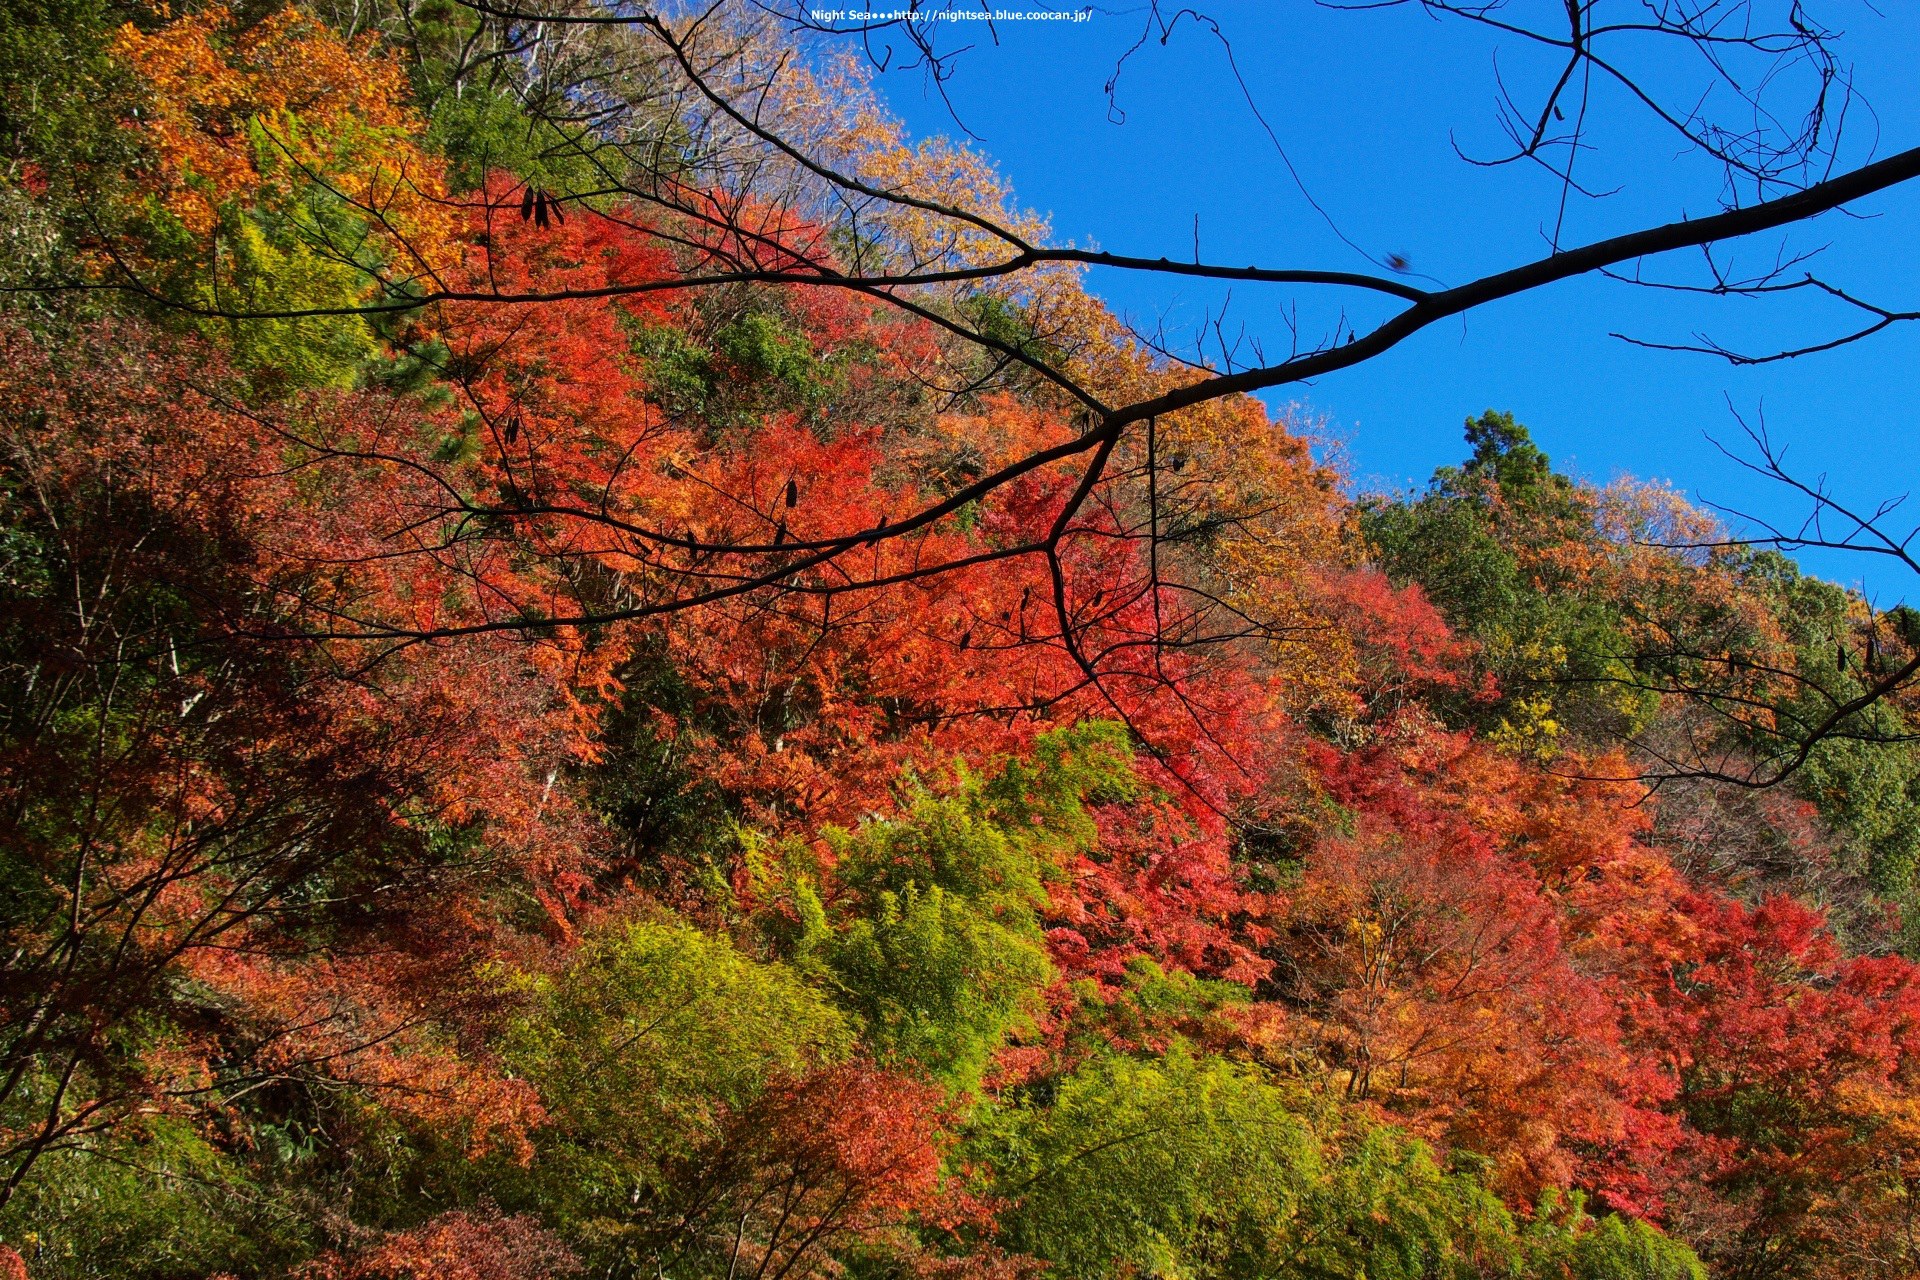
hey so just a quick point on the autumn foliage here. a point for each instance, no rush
(505, 790)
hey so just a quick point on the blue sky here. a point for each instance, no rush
(1370, 107)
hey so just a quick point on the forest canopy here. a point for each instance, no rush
(537, 740)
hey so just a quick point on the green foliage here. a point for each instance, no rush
(1152, 1008)
(475, 118)
(649, 1037)
(1065, 770)
(62, 86)
(1867, 790)
(62, 102)
(156, 1201)
(1190, 1166)
(1001, 321)
(937, 981)
(761, 348)
(944, 957)
(679, 370)
(1385, 1210)
(1186, 1166)
(485, 130)
(957, 843)
(1488, 543)
(654, 1026)
(668, 821)
(1505, 455)
(1870, 793)
(1565, 1240)
(1619, 1248)
(269, 266)
(751, 363)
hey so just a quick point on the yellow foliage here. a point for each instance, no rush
(1531, 729)
(271, 113)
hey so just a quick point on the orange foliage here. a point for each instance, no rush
(268, 111)
(816, 693)
(1441, 971)
(252, 770)
(456, 1245)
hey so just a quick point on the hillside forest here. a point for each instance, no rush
(496, 791)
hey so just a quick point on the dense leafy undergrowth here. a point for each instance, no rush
(416, 865)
